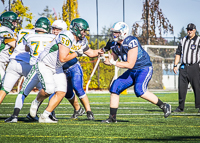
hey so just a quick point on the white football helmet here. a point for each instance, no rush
(122, 28)
(60, 24)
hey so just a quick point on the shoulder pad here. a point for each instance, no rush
(5, 32)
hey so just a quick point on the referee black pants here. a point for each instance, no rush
(189, 74)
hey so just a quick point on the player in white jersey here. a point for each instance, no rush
(8, 22)
(35, 42)
(66, 46)
(18, 65)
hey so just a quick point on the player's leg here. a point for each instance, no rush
(142, 79)
(45, 76)
(120, 84)
(71, 97)
(59, 78)
(27, 86)
(2, 71)
(53, 114)
(13, 73)
(77, 84)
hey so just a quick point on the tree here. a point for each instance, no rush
(23, 12)
(156, 20)
(182, 34)
(70, 11)
(48, 14)
(3, 1)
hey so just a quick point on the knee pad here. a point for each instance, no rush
(69, 96)
(117, 88)
(139, 90)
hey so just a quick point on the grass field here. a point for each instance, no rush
(138, 121)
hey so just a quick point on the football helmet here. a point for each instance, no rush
(7, 19)
(59, 24)
(77, 25)
(119, 27)
(43, 24)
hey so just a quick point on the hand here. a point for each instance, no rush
(108, 45)
(102, 57)
(175, 70)
(79, 52)
(111, 59)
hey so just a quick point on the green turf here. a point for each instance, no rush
(138, 121)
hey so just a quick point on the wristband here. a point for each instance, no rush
(113, 62)
(175, 65)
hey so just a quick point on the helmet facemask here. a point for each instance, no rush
(43, 25)
(79, 27)
(9, 19)
(119, 31)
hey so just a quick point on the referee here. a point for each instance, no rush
(189, 71)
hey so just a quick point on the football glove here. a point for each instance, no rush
(112, 61)
(79, 52)
(108, 45)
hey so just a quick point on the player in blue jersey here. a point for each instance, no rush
(140, 70)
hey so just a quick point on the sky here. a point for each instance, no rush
(179, 12)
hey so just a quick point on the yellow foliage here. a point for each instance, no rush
(23, 12)
(70, 11)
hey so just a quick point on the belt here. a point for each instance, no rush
(65, 70)
(190, 64)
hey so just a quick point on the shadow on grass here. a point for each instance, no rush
(23, 119)
(154, 110)
(175, 138)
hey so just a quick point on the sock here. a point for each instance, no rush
(37, 101)
(19, 101)
(113, 112)
(160, 104)
(16, 111)
(46, 113)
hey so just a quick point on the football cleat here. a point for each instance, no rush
(53, 116)
(36, 118)
(166, 109)
(34, 107)
(178, 110)
(80, 112)
(90, 115)
(109, 120)
(46, 119)
(12, 119)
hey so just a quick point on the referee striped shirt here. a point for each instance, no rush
(189, 50)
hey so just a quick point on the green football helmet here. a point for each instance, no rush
(77, 25)
(43, 24)
(7, 18)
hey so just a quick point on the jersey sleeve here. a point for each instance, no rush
(132, 44)
(64, 39)
(179, 49)
(84, 44)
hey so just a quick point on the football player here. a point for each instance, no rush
(74, 75)
(67, 46)
(8, 22)
(22, 62)
(134, 58)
